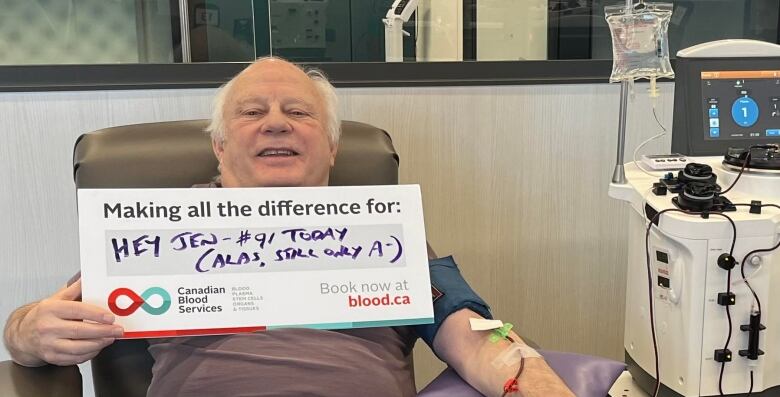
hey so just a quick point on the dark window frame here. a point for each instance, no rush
(19, 78)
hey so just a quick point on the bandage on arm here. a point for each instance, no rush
(471, 354)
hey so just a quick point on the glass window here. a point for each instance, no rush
(152, 31)
(700, 21)
(332, 30)
(220, 31)
(85, 32)
(482, 30)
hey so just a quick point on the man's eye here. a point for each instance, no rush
(298, 113)
(252, 112)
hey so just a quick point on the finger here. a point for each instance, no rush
(81, 347)
(71, 310)
(69, 293)
(82, 330)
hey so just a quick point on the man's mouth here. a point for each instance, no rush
(277, 153)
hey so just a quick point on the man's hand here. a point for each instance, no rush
(59, 330)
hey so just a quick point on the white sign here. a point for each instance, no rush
(174, 262)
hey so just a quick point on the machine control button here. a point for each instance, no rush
(722, 355)
(726, 261)
(659, 189)
(726, 298)
(755, 206)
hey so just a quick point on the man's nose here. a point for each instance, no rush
(276, 121)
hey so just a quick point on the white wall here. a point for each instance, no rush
(39, 238)
(514, 182)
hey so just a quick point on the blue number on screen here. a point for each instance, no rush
(744, 111)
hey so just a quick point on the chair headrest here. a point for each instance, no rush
(179, 154)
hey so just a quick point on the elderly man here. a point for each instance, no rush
(276, 125)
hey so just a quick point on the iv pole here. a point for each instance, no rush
(619, 174)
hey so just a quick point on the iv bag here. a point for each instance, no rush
(640, 41)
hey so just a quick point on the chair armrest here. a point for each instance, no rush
(49, 380)
(586, 376)
(448, 384)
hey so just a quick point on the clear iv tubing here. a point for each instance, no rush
(641, 145)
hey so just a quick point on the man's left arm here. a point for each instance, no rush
(470, 354)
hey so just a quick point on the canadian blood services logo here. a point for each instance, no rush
(139, 301)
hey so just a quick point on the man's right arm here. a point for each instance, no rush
(54, 330)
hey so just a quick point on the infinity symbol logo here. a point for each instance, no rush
(139, 301)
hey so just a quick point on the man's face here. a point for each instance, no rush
(275, 120)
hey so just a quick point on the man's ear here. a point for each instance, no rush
(333, 150)
(218, 147)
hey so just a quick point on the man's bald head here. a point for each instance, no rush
(278, 68)
(274, 125)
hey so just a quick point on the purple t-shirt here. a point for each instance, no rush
(286, 362)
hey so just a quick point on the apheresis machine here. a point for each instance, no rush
(703, 279)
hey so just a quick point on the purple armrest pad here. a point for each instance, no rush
(586, 376)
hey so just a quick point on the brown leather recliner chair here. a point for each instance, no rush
(174, 155)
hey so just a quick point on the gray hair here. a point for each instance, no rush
(218, 130)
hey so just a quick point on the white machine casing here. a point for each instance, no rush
(690, 324)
